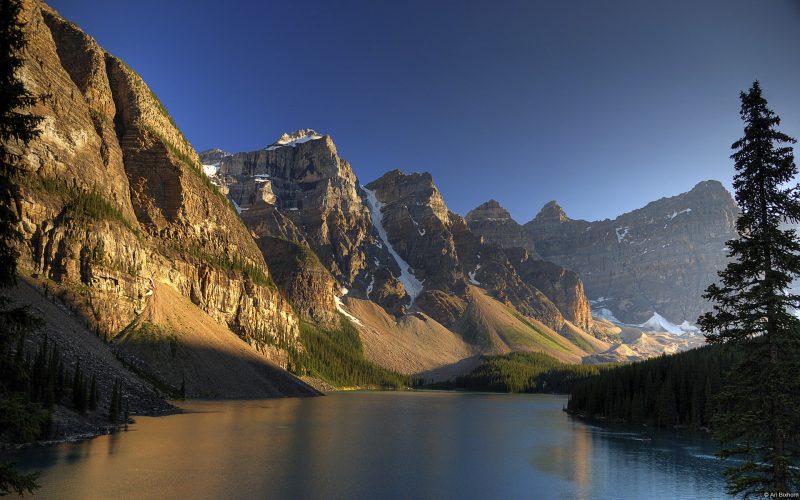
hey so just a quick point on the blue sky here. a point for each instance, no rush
(601, 107)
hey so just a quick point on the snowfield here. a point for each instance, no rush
(412, 285)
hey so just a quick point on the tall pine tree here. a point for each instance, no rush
(17, 128)
(758, 418)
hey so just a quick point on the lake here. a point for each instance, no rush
(379, 445)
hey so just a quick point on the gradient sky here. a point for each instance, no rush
(603, 106)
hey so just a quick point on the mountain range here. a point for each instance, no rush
(202, 269)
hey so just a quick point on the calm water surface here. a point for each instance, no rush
(378, 445)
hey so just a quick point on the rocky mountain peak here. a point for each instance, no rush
(491, 211)
(411, 182)
(414, 189)
(711, 190)
(212, 156)
(552, 211)
(712, 185)
(495, 225)
(297, 137)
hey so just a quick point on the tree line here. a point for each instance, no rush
(47, 381)
(746, 387)
(336, 355)
(678, 390)
(520, 372)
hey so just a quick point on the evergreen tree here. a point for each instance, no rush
(79, 396)
(93, 393)
(16, 128)
(114, 409)
(757, 417)
(666, 391)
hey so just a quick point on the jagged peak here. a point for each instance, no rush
(492, 204)
(419, 179)
(214, 151)
(552, 210)
(490, 210)
(710, 185)
(295, 138)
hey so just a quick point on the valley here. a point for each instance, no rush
(190, 266)
(517, 256)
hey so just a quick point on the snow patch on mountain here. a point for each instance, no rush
(295, 138)
(606, 314)
(211, 170)
(676, 213)
(412, 285)
(340, 307)
(237, 207)
(416, 224)
(659, 323)
(688, 327)
(371, 285)
(472, 275)
(656, 323)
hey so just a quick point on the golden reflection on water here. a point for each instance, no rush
(570, 457)
(392, 445)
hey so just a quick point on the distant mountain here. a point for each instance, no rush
(333, 243)
(494, 223)
(648, 267)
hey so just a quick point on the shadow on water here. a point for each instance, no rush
(629, 461)
(374, 444)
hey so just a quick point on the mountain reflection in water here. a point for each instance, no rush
(379, 444)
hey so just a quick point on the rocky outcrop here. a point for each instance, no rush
(308, 284)
(657, 259)
(562, 286)
(115, 199)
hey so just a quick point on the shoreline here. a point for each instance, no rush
(95, 430)
(602, 421)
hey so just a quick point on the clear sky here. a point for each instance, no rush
(601, 105)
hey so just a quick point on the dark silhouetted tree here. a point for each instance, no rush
(79, 390)
(757, 418)
(93, 393)
(17, 128)
(115, 408)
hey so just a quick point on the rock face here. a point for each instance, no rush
(657, 259)
(314, 190)
(561, 285)
(418, 225)
(307, 282)
(447, 256)
(494, 223)
(299, 189)
(116, 200)
(393, 241)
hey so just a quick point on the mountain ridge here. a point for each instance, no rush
(121, 217)
(698, 222)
